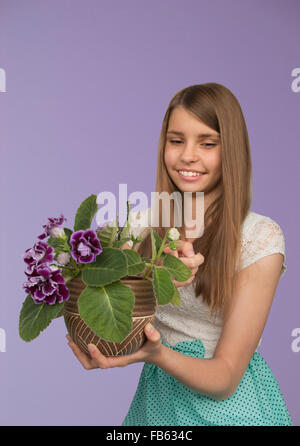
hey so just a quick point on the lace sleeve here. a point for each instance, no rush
(264, 238)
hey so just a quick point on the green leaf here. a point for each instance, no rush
(34, 318)
(146, 259)
(125, 233)
(158, 241)
(163, 286)
(108, 267)
(69, 274)
(107, 235)
(121, 242)
(61, 313)
(154, 252)
(85, 213)
(176, 299)
(68, 233)
(59, 244)
(178, 270)
(134, 261)
(108, 310)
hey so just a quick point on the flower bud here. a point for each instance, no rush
(173, 245)
(57, 231)
(173, 234)
(53, 267)
(63, 258)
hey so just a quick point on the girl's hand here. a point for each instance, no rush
(147, 353)
(188, 257)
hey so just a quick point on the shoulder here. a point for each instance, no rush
(261, 236)
(257, 225)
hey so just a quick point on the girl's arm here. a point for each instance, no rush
(244, 322)
(210, 377)
(246, 316)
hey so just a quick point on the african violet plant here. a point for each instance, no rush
(98, 258)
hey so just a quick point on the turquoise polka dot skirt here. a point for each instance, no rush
(161, 400)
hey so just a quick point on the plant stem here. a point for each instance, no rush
(161, 248)
(70, 268)
(133, 244)
(59, 266)
(145, 276)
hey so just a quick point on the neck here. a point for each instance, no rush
(209, 198)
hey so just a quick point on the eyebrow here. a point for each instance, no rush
(200, 135)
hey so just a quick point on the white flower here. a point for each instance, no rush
(173, 234)
(57, 231)
(53, 267)
(63, 258)
(137, 221)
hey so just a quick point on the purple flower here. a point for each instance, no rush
(40, 253)
(46, 285)
(85, 246)
(53, 227)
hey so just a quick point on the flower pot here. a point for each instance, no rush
(143, 313)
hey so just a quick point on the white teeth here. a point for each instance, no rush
(189, 174)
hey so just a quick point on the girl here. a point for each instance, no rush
(201, 364)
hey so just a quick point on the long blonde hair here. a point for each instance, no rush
(220, 244)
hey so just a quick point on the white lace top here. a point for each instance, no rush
(261, 236)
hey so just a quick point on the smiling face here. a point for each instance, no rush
(193, 146)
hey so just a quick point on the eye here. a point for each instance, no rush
(209, 144)
(174, 141)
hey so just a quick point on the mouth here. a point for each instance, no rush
(190, 175)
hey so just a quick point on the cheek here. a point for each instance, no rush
(169, 157)
(214, 162)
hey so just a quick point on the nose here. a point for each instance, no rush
(189, 153)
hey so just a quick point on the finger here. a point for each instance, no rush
(194, 270)
(187, 282)
(81, 356)
(168, 250)
(97, 356)
(196, 261)
(106, 362)
(152, 334)
(186, 248)
(193, 262)
(190, 262)
(199, 258)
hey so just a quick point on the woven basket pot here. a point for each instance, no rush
(143, 313)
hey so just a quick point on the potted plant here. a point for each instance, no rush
(105, 293)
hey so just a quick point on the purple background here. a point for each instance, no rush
(88, 83)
